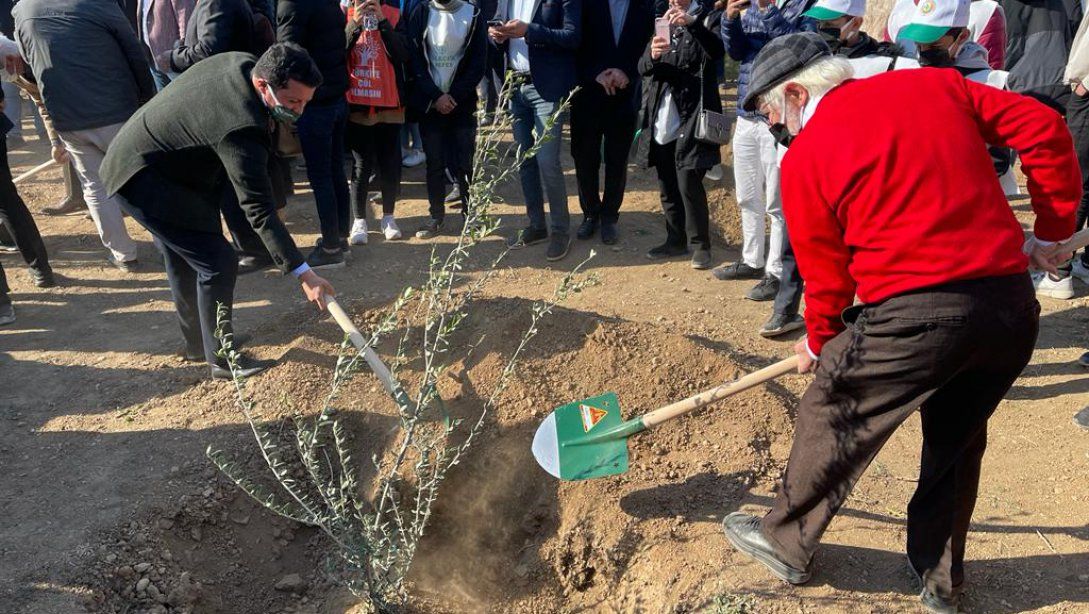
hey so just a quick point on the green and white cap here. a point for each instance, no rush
(827, 10)
(933, 18)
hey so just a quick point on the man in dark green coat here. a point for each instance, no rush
(210, 129)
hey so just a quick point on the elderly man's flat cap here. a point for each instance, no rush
(781, 58)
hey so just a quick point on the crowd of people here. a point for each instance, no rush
(185, 115)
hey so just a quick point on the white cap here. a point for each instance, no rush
(827, 10)
(933, 18)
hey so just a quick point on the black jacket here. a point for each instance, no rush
(696, 49)
(553, 38)
(207, 131)
(600, 51)
(91, 68)
(396, 46)
(318, 27)
(422, 91)
(868, 45)
(216, 26)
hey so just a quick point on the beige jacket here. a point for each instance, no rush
(1077, 67)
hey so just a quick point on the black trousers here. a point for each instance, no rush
(449, 142)
(201, 266)
(602, 124)
(952, 352)
(375, 146)
(791, 286)
(16, 218)
(1077, 119)
(684, 200)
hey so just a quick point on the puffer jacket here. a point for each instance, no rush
(746, 35)
(1039, 34)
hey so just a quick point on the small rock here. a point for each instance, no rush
(153, 592)
(196, 534)
(142, 585)
(1084, 577)
(242, 520)
(292, 583)
(142, 567)
(111, 558)
(166, 524)
(167, 555)
(126, 572)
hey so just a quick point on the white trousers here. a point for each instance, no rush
(87, 149)
(756, 175)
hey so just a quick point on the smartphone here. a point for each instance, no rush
(662, 28)
(495, 23)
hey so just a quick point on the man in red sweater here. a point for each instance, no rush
(890, 195)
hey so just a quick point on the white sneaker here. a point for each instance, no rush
(390, 229)
(358, 235)
(413, 159)
(1080, 270)
(714, 173)
(1062, 289)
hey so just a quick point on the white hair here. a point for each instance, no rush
(817, 78)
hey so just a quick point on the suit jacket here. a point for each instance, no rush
(600, 50)
(207, 131)
(215, 26)
(553, 38)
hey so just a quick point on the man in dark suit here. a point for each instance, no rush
(171, 162)
(541, 38)
(604, 109)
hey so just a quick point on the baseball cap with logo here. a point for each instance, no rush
(827, 10)
(933, 18)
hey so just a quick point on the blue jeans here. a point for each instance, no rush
(321, 133)
(530, 113)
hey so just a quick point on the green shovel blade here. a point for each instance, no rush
(585, 439)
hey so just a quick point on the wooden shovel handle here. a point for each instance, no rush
(719, 392)
(34, 171)
(360, 343)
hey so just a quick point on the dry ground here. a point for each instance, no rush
(105, 481)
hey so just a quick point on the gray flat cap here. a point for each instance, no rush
(781, 58)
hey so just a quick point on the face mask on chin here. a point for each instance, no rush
(281, 113)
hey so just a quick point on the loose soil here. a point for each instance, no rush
(111, 505)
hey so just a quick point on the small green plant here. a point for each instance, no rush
(729, 603)
(313, 477)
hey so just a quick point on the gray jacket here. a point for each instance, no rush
(91, 67)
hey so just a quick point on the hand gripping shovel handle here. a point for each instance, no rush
(360, 343)
(720, 392)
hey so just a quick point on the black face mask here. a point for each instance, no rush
(781, 135)
(935, 57)
(831, 36)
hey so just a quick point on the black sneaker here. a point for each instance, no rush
(586, 229)
(252, 264)
(430, 229)
(765, 290)
(7, 314)
(43, 278)
(321, 258)
(247, 367)
(1084, 360)
(781, 324)
(345, 248)
(737, 270)
(558, 246)
(1082, 418)
(128, 266)
(745, 534)
(665, 250)
(701, 259)
(527, 236)
(609, 233)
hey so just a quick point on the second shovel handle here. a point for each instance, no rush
(719, 392)
(360, 343)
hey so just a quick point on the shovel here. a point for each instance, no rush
(392, 386)
(587, 439)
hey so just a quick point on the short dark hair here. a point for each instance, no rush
(285, 62)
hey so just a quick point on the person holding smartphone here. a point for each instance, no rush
(746, 28)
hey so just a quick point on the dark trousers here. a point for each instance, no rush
(684, 200)
(321, 134)
(17, 219)
(375, 146)
(602, 124)
(791, 286)
(449, 142)
(952, 352)
(201, 266)
(1077, 119)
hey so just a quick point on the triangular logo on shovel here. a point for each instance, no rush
(591, 416)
